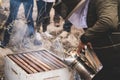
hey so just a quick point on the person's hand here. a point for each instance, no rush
(89, 44)
(80, 47)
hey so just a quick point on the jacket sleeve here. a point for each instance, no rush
(107, 20)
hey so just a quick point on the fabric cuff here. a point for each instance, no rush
(84, 39)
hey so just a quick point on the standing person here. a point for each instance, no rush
(14, 7)
(43, 15)
(67, 24)
(56, 16)
(102, 33)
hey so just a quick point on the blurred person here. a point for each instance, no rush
(66, 29)
(67, 24)
(56, 17)
(43, 15)
(103, 34)
(14, 7)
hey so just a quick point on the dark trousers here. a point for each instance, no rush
(56, 15)
(67, 26)
(43, 15)
(14, 7)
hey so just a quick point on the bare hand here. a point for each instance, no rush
(80, 47)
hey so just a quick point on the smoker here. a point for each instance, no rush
(86, 64)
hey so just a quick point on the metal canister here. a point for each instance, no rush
(87, 66)
(80, 67)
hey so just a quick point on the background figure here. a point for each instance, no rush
(66, 29)
(67, 24)
(14, 7)
(56, 17)
(43, 15)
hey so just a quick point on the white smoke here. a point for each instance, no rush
(18, 32)
(19, 40)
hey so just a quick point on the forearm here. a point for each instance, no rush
(106, 21)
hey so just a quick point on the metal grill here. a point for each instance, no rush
(37, 61)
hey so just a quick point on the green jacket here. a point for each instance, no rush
(102, 19)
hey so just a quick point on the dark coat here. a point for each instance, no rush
(102, 19)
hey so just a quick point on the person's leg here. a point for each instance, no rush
(40, 11)
(56, 17)
(46, 15)
(28, 6)
(66, 29)
(67, 26)
(14, 7)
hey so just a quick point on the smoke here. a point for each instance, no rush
(18, 32)
(19, 40)
(57, 47)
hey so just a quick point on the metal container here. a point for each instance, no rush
(87, 64)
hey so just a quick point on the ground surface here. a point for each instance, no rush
(68, 43)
